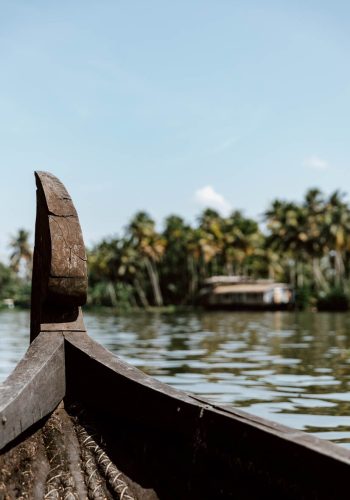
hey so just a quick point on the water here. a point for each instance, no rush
(291, 368)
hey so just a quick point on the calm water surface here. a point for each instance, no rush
(288, 367)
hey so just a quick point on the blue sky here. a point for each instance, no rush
(170, 106)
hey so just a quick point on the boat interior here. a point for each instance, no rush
(77, 422)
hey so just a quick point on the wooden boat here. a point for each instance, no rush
(242, 293)
(77, 422)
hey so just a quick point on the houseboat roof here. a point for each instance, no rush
(248, 288)
(228, 280)
(76, 421)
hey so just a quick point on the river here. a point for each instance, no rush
(293, 368)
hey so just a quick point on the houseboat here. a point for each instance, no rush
(240, 292)
(77, 422)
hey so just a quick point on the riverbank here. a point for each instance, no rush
(336, 304)
(169, 309)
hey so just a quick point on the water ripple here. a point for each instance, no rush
(291, 368)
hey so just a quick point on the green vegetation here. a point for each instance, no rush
(306, 244)
(15, 278)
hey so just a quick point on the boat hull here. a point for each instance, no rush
(78, 422)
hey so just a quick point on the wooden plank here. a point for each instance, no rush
(62, 319)
(35, 387)
(59, 284)
(67, 273)
(68, 257)
(57, 198)
(178, 445)
(200, 449)
(47, 460)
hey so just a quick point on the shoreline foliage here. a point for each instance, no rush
(306, 244)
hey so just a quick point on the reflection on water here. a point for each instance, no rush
(291, 368)
(14, 339)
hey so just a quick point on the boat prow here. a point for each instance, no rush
(77, 422)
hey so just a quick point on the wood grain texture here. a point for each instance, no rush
(57, 198)
(171, 444)
(59, 283)
(47, 460)
(180, 439)
(35, 387)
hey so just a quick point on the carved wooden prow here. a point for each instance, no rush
(59, 283)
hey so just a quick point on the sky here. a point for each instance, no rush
(170, 107)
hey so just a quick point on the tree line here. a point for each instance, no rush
(306, 244)
(16, 276)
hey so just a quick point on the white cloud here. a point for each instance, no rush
(208, 197)
(316, 163)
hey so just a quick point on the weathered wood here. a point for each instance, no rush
(200, 449)
(24, 468)
(46, 464)
(169, 444)
(34, 388)
(59, 284)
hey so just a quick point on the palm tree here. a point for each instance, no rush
(21, 252)
(210, 241)
(241, 237)
(286, 222)
(150, 247)
(129, 270)
(315, 244)
(174, 270)
(103, 262)
(336, 232)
